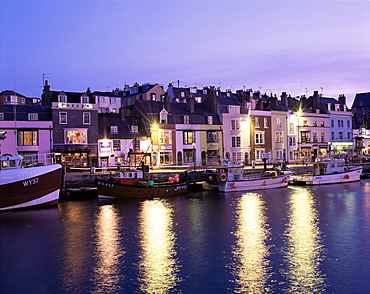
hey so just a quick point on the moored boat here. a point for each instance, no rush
(230, 178)
(330, 171)
(131, 184)
(29, 181)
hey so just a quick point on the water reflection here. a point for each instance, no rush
(76, 252)
(158, 264)
(303, 251)
(109, 251)
(251, 265)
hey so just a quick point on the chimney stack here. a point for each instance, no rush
(167, 102)
(190, 103)
(46, 101)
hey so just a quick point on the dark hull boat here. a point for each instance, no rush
(28, 186)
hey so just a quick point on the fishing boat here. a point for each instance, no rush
(329, 171)
(29, 181)
(131, 183)
(231, 178)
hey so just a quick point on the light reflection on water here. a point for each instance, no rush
(158, 264)
(250, 267)
(303, 252)
(109, 251)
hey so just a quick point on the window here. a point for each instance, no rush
(348, 124)
(340, 136)
(235, 142)
(186, 119)
(291, 127)
(163, 116)
(314, 123)
(101, 99)
(165, 137)
(116, 145)
(305, 136)
(279, 137)
(1, 115)
(210, 120)
(182, 94)
(62, 118)
(165, 157)
(259, 153)
(153, 97)
(279, 154)
(27, 137)
(259, 138)
(105, 145)
(236, 156)
(188, 155)
(136, 144)
(322, 138)
(256, 122)
(314, 137)
(189, 137)
(84, 99)
(265, 123)
(235, 124)
(134, 129)
(292, 141)
(75, 136)
(23, 100)
(332, 136)
(62, 98)
(86, 118)
(211, 137)
(278, 122)
(349, 136)
(33, 116)
(305, 123)
(332, 123)
(322, 124)
(114, 129)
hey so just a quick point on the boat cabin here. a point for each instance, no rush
(11, 162)
(329, 167)
(130, 177)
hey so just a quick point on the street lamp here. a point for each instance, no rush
(194, 158)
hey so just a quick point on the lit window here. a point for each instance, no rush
(27, 138)
(186, 119)
(256, 122)
(279, 137)
(165, 137)
(75, 136)
(278, 122)
(210, 119)
(114, 129)
(189, 137)
(116, 145)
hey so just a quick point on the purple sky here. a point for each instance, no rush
(275, 46)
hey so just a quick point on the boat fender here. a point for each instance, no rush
(223, 177)
(346, 177)
(235, 185)
(210, 178)
(285, 180)
(264, 183)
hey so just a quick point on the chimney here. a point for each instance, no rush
(342, 99)
(210, 102)
(284, 99)
(46, 101)
(315, 100)
(190, 103)
(241, 96)
(167, 102)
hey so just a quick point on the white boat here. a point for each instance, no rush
(330, 171)
(231, 178)
(29, 181)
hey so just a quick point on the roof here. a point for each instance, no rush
(361, 100)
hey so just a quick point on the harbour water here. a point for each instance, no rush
(288, 240)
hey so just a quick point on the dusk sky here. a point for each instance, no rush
(274, 46)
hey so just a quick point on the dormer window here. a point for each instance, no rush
(234, 109)
(134, 129)
(153, 97)
(163, 116)
(62, 98)
(84, 98)
(114, 129)
(33, 116)
(210, 120)
(337, 107)
(186, 119)
(182, 94)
